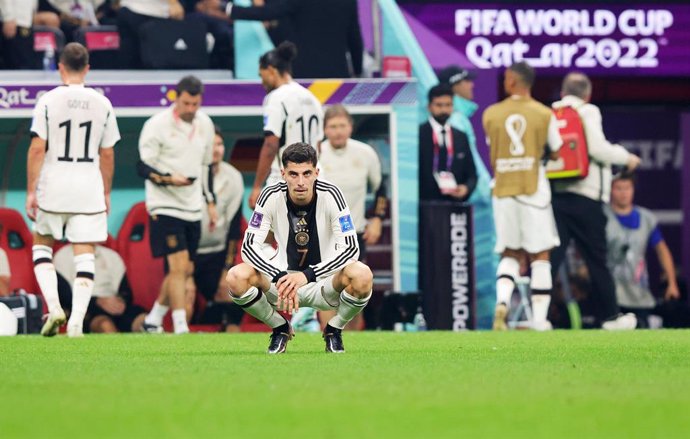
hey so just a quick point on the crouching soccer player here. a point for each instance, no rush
(315, 264)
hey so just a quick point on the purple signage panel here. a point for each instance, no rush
(229, 94)
(602, 39)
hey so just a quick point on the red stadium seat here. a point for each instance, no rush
(144, 272)
(16, 239)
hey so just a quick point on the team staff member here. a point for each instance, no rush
(176, 149)
(353, 166)
(291, 114)
(630, 231)
(579, 205)
(218, 245)
(444, 150)
(518, 129)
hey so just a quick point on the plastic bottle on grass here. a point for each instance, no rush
(419, 320)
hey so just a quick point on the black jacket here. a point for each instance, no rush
(462, 165)
(324, 31)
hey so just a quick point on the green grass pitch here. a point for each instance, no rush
(581, 384)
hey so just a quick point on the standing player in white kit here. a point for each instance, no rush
(291, 114)
(69, 176)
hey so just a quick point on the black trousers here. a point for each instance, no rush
(18, 52)
(128, 24)
(223, 56)
(583, 220)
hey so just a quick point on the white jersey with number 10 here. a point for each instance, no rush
(293, 114)
(75, 121)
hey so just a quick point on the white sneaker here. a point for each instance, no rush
(53, 322)
(542, 326)
(501, 317)
(75, 331)
(624, 322)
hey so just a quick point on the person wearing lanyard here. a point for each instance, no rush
(446, 168)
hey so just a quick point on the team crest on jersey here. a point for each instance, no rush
(346, 223)
(256, 220)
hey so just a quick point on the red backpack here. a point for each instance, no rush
(573, 157)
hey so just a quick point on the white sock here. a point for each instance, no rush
(179, 318)
(540, 307)
(348, 308)
(541, 285)
(155, 316)
(46, 276)
(85, 265)
(507, 272)
(255, 303)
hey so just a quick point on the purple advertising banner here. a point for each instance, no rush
(231, 94)
(600, 39)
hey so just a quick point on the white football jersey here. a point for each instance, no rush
(75, 121)
(292, 113)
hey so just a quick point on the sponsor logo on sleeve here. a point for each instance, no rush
(256, 220)
(346, 223)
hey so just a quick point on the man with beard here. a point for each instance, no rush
(446, 168)
(176, 150)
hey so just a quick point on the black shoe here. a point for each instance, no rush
(279, 339)
(151, 329)
(334, 339)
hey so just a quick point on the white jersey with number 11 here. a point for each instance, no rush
(75, 121)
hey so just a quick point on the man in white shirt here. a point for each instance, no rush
(315, 264)
(218, 246)
(291, 114)
(176, 149)
(4, 273)
(68, 184)
(578, 205)
(353, 167)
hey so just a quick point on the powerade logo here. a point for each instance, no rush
(460, 271)
(627, 39)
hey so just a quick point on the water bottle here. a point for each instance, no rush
(419, 320)
(49, 59)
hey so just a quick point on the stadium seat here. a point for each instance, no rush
(44, 37)
(16, 239)
(173, 44)
(144, 272)
(103, 43)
